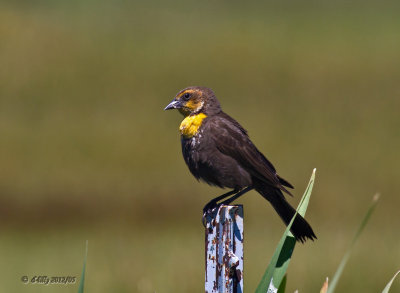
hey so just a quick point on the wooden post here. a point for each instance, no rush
(224, 250)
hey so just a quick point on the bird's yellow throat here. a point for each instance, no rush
(191, 124)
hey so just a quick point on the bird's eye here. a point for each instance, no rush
(186, 96)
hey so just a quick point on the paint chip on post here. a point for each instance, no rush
(224, 250)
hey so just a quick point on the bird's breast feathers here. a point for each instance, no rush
(191, 124)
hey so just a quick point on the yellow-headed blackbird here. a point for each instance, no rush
(218, 150)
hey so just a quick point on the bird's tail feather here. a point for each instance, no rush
(300, 228)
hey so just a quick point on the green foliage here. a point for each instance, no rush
(275, 275)
(282, 286)
(82, 280)
(335, 279)
(276, 270)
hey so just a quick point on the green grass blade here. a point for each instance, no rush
(387, 288)
(276, 269)
(282, 286)
(342, 264)
(82, 281)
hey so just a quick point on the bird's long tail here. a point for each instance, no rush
(300, 228)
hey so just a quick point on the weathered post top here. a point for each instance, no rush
(224, 250)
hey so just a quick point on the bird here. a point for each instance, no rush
(218, 151)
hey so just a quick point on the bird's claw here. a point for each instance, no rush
(210, 211)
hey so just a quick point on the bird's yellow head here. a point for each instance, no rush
(195, 100)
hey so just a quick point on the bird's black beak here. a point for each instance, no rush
(173, 105)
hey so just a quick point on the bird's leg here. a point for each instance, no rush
(212, 207)
(212, 204)
(236, 196)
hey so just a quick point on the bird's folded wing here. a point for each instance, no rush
(233, 141)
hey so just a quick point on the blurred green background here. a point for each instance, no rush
(87, 152)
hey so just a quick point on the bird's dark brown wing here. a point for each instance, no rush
(232, 140)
